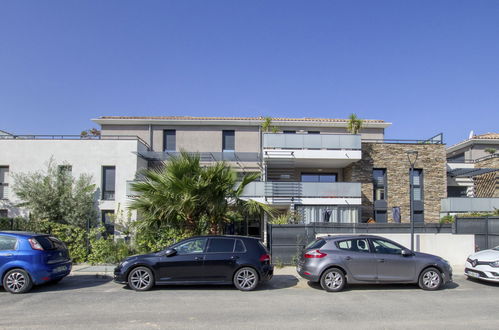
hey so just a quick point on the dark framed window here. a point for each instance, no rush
(4, 181)
(379, 184)
(228, 140)
(196, 245)
(314, 132)
(417, 184)
(457, 191)
(108, 182)
(108, 221)
(288, 132)
(354, 245)
(221, 245)
(169, 140)
(319, 177)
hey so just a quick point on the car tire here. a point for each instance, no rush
(17, 281)
(430, 279)
(141, 279)
(333, 280)
(246, 279)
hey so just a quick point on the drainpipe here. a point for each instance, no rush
(150, 137)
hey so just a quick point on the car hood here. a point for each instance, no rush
(486, 255)
(427, 256)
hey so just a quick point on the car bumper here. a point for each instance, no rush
(47, 273)
(307, 274)
(267, 273)
(119, 276)
(482, 272)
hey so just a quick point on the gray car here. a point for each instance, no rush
(335, 261)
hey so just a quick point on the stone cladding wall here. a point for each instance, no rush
(393, 158)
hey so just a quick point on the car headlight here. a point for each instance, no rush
(495, 263)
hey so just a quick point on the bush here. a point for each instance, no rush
(148, 239)
(447, 219)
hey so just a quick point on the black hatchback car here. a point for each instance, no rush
(238, 260)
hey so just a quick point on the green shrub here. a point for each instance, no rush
(447, 219)
(148, 239)
(108, 251)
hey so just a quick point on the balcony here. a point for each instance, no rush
(467, 204)
(307, 150)
(277, 192)
(203, 156)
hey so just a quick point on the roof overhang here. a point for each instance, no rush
(218, 121)
(470, 142)
(469, 172)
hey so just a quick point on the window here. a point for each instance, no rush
(221, 245)
(4, 213)
(317, 244)
(239, 248)
(417, 185)
(379, 184)
(355, 245)
(289, 132)
(228, 141)
(108, 221)
(328, 213)
(108, 182)
(191, 246)
(457, 191)
(7, 243)
(314, 132)
(385, 247)
(318, 177)
(4, 182)
(169, 140)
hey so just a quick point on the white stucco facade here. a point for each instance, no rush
(85, 156)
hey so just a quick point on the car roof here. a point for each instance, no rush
(21, 233)
(225, 236)
(337, 237)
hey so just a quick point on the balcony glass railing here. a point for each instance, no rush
(303, 189)
(468, 204)
(311, 141)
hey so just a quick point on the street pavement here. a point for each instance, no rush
(88, 299)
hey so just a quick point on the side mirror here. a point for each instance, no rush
(170, 252)
(407, 253)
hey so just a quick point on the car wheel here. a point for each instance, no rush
(17, 281)
(333, 280)
(141, 279)
(246, 279)
(430, 279)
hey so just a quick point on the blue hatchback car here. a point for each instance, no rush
(28, 259)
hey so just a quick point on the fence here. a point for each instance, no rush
(485, 229)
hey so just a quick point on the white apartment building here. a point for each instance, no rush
(110, 160)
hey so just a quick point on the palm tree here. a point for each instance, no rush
(196, 199)
(354, 124)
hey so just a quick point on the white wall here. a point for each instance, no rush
(85, 157)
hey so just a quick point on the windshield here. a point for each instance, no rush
(496, 248)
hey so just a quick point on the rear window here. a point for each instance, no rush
(7, 243)
(317, 244)
(50, 243)
(239, 246)
(221, 245)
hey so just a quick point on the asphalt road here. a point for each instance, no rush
(88, 301)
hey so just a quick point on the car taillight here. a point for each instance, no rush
(34, 244)
(315, 254)
(265, 257)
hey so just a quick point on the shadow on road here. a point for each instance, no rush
(73, 283)
(485, 283)
(277, 282)
(382, 287)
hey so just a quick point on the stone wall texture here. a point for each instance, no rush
(393, 158)
(487, 185)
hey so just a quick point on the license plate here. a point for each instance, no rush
(470, 273)
(60, 269)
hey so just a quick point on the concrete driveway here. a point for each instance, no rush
(89, 299)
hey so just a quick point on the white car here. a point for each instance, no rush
(483, 265)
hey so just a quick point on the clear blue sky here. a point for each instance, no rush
(426, 66)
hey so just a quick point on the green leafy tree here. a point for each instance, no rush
(354, 124)
(185, 198)
(268, 127)
(54, 195)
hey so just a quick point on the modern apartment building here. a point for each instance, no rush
(110, 160)
(311, 166)
(473, 175)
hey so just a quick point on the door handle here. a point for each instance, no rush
(348, 258)
(198, 258)
(381, 260)
(234, 257)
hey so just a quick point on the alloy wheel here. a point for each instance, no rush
(17, 281)
(140, 279)
(246, 279)
(333, 280)
(431, 279)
